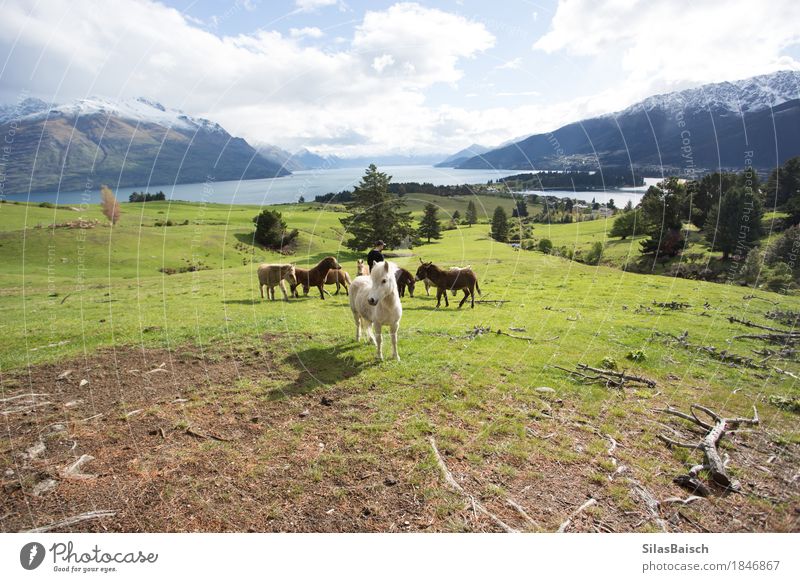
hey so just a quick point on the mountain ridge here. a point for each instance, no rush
(695, 130)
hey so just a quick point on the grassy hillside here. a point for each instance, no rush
(254, 372)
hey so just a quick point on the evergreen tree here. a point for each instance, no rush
(271, 230)
(610, 204)
(734, 224)
(521, 209)
(375, 214)
(662, 208)
(784, 183)
(500, 225)
(429, 226)
(456, 218)
(628, 206)
(472, 213)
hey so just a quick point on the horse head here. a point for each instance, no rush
(383, 282)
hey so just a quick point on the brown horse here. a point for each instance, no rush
(315, 276)
(361, 268)
(341, 278)
(463, 279)
(405, 280)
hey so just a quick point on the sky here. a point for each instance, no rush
(371, 78)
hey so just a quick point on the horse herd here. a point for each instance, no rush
(374, 295)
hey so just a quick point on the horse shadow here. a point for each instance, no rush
(244, 301)
(318, 366)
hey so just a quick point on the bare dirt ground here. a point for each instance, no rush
(182, 441)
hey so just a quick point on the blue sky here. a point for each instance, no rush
(359, 78)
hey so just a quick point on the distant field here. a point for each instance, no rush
(166, 356)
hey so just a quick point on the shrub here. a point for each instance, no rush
(785, 249)
(46, 205)
(546, 246)
(779, 278)
(595, 254)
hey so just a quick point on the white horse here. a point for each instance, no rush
(375, 302)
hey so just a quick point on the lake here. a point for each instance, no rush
(310, 183)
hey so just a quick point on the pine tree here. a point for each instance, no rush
(734, 224)
(472, 213)
(429, 226)
(500, 225)
(375, 214)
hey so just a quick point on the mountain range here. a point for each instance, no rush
(88, 142)
(716, 126)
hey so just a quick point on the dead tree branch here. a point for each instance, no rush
(450, 480)
(709, 443)
(72, 520)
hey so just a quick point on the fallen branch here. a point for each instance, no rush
(72, 520)
(734, 319)
(563, 527)
(25, 395)
(200, 435)
(709, 443)
(774, 338)
(610, 378)
(450, 480)
(73, 471)
(671, 305)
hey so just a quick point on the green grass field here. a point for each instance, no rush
(67, 293)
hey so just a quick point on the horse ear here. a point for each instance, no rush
(386, 266)
(420, 260)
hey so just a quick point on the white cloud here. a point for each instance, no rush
(426, 43)
(381, 62)
(513, 64)
(264, 86)
(311, 5)
(663, 43)
(306, 31)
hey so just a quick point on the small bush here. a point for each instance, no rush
(779, 278)
(637, 355)
(46, 205)
(609, 363)
(595, 254)
(545, 246)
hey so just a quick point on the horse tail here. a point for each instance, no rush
(477, 287)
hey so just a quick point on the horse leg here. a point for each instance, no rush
(427, 287)
(378, 339)
(337, 288)
(466, 296)
(446, 302)
(358, 325)
(261, 288)
(283, 290)
(472, 297)
(394, 328)
(270, 293)
(439, 297)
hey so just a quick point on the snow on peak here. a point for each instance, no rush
(742, 96)
(140, 109)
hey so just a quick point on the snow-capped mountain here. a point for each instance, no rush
(135, 142)
(753, 121)
(23, 108)
(746, 95)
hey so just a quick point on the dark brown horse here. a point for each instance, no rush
(463, 279)
(315, 276)
(405, 280)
